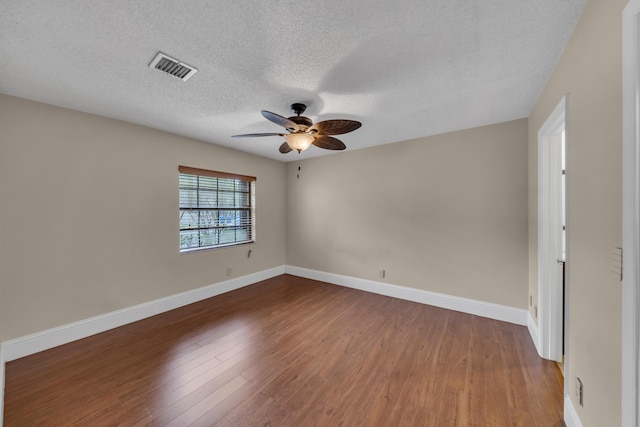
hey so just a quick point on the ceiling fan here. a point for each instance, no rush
(302, 132)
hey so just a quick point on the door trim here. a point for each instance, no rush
(630, 212)
(550, 300)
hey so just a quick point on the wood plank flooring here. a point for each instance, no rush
(292, 352)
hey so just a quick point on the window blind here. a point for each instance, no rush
(216, 208)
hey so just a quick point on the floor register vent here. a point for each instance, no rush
(172, 66)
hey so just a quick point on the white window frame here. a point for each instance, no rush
(214, 194)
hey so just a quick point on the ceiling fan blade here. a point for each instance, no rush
(335, 127)
(251, 135)
(328, 143)
(284, 148)
(279, 120)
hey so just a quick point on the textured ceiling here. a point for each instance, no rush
(405, 69)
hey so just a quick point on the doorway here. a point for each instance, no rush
(552, 233)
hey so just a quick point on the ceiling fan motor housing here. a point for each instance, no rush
(299, 108)
(301, 120)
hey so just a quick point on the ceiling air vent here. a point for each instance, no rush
(172, 66)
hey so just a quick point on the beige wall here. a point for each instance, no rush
(590, 71)
(446, 213)
(89, 216)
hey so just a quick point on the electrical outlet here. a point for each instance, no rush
(579, 391)
(535, 309)
(229, 271)
(383, 274)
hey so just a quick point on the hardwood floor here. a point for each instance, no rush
(292, 352)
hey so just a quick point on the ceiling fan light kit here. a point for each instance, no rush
(299, 141)
(303, 133)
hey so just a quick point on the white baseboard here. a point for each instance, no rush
(533, 331)
(40, 341)
(571, 418)
(465, 305)
(34, 343)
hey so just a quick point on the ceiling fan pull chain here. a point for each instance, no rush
(298, 176)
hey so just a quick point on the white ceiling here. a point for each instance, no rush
(405, 69)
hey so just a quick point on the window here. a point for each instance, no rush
(216, 209)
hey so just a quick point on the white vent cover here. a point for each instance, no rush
(172, 66)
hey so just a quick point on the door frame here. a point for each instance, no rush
(551, 300)
(630, 213)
